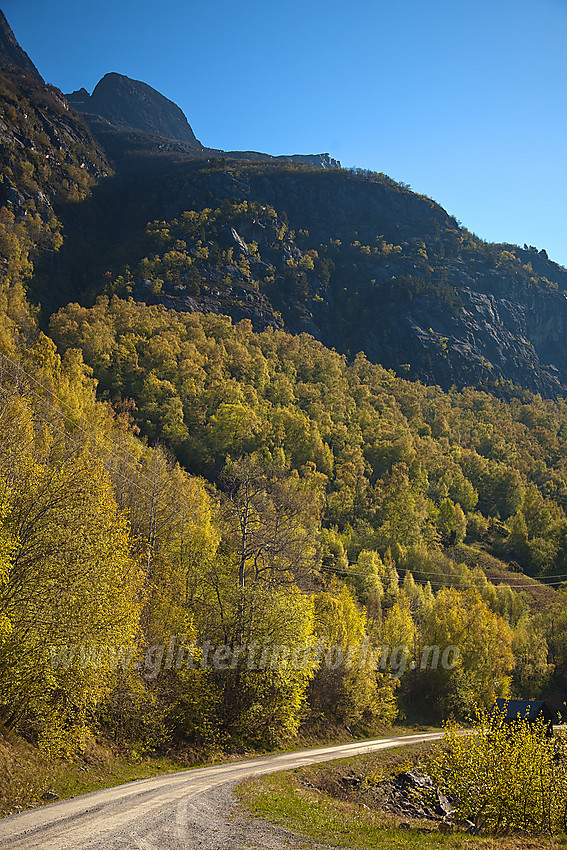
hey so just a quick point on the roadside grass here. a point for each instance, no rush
(26, 773)
(303, 800)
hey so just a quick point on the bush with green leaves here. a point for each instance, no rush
(504, 776)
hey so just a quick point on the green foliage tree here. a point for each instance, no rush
(452, 522)
(480, 664)
(347, 687)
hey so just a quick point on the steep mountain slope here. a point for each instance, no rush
(49, 162)
(355, 259)
(133, 104)
(352, 257)
(11, 54)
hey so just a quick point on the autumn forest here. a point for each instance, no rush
(178, 475)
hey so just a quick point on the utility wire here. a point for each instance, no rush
(534, 584)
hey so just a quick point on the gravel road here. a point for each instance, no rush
(181, 811)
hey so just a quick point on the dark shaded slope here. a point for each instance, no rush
(49, 161)
(356, 260)
(11, 54)
(352, 257)
(130, 103)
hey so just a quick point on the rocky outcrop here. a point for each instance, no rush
(351, 257)
(11, 54)
(411, 794)
(127, 103)
(431, 309)
(319, 160)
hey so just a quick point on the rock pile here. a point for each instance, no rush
(415, 795)
(410, 794)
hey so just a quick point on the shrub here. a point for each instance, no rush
(504, 777)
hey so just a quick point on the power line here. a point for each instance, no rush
(534, 584)
(19, 371)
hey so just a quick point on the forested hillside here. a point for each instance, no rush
(351, 257)
(373, 505)
(200, 513)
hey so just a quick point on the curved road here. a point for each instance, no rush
(163, 813)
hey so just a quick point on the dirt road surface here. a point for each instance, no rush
(190, 810)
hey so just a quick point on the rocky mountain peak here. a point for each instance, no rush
(132, 104)
(11, 54)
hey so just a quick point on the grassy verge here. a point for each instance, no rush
(304, 800)
(26, 774)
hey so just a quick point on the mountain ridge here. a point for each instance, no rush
(11, 53)
(351, 256)
(131, 103)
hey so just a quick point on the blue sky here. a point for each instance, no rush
(463, 101)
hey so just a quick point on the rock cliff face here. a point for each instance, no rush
(319, 160)
(351, 257)
(11, 54)
(133, 104)
(367, 265)
(129, 105)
